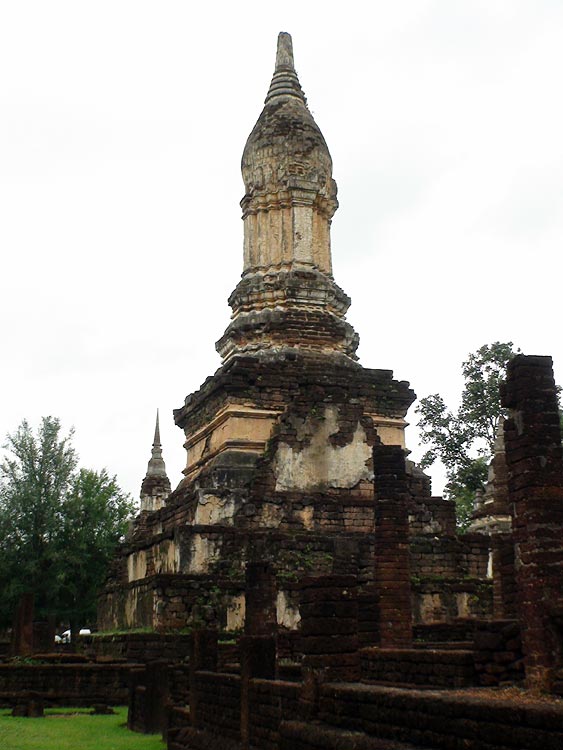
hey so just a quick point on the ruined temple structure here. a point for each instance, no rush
(301, 589)
(280, 440)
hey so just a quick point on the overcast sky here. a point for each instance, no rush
(121, 130)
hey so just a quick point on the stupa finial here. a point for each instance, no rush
(156, 441)
(156, 467)
(285, 82)
(284, 55)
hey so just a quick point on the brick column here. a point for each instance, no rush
(391, 547)
(137, 695)
(329, 626)
(203, 656)
(504, 576)
(22, 632)
(257, 661)
(157, 696)
(368, 616)
(43, 636)
(260, 613)
(535, 480)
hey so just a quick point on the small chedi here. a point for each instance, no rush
(288, 441)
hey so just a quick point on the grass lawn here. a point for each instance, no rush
(73, 729)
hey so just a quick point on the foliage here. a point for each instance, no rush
(59, 524)
(68, 728)
(306, 560)
(464, 440)
(462, 488)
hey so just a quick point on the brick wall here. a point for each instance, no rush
(445, 600)
(498, 652)
(427, 634)
(270, 702)
(67, 684)
(435, 668)
(329, 626)
(218, 703)
(136, 647)
(367, 717)
(450, 556)
(442, 721)
(431, 515)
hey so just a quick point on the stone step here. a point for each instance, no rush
(298, 735)
(447, 645)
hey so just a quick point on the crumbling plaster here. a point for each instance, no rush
(319, 464)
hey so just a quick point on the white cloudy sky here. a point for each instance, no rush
(121, 130)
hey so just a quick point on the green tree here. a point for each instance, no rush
(59, 524)
(464, 440)
(96, 514)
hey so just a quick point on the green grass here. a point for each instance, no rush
(132, 631)
(73, 729)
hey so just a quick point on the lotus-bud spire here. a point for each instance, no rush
(287, 298)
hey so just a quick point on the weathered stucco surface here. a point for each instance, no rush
(212, 509)
(320, 464)
(287, 612)
(236, 611)
(203, 551)
(390, 431)
(270, 515)
(234, 427)
(167, 558)
(432, 608)
(136, 566)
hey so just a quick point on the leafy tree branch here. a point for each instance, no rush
(59, 524)
(464, 440)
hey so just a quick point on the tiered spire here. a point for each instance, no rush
(287, 298)
(156, 485)
(156, 467)
(285, 81)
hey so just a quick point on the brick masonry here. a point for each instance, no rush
(534, 459)
(392, 573)
(66, 684)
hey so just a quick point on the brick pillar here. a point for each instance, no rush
(137, 699)
(257, 661)
(368, 616)
(504, 577)
(22, 633)
(260, 616)
(391, 547)
(44, 636)
(535, 479)
(203, 656)
(329, 626)
(157, 696)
